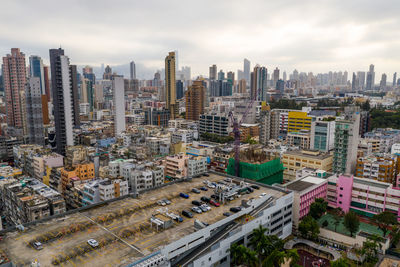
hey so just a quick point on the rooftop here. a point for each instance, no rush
(122, 228)
(309, 153)
(304, 183)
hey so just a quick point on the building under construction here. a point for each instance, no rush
(255, 165)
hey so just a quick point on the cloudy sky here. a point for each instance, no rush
(309, 35)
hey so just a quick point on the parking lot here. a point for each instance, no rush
(122, 229)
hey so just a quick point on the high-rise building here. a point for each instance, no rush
(195, 100)
(322, 135)
(394, 79)
(170, 85)
(370, 78)
(346, 143)
(47, 82)
(242, 86)
(87, 72)
(246, 70)
(87, 94)
(354, 82)
(284, 76)
(132, 70)
(107, 73)
(276, 76)
(280, 86)
(382, 84)
(258, 86)
(186, 72)
(213, 72)
(265, 125)
(361, 80)
(231, 78)
(14, 78)
(65, 98)
(221, 75)
(119, 104)
(36, 70)
(34, 117)
(179, 89)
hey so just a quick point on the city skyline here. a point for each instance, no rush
(312, 42)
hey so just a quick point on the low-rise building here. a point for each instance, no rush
(110, 189)
(196, 166)
(175, 166)
(298, 159)
(299, 139)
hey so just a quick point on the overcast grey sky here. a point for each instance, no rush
(309, 35)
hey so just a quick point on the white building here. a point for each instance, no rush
(185, 136)
(84, 108)
(196, 166)
(110, 189)
(119, 104)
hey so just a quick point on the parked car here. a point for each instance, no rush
(161, 203)
(204, 188)
(227, 214)
(235, 209)
(263, 194)
(206, 207)
(196, 209)
(211, 185)
(184, 195)
(251, 190)
(178, 219)
(166, 201)
(255, 186)
(187, 213)
(93, 243)
(214, 196)
(203, 209)
(206, 174)
(205, 199)
(215, 203)
(196, 202)
(195, 190)
(38, 245)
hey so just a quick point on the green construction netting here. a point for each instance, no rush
(269, 173)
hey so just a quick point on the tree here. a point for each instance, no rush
(351, 222)
(309, 228)
(293, 256)
(395, 233)
(318, 208)
(276, 259)
(337, 217)
(325, 223)
(384, 220)
(341, 262)
(259, 241)
(238, 254)
(370, 248)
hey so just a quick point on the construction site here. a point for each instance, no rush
(256, 165)
(126, 230)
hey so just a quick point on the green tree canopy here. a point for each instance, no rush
(318, 208)
(384, 220)
(351, 222)
(309, 228)
(341, 262)
(337, 216)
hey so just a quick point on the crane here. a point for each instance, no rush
(236, 132)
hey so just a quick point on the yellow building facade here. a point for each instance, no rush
(298, 120)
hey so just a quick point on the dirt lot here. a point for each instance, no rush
(122, 228)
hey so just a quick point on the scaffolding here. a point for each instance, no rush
(269, 173)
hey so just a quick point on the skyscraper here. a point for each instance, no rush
(284, 76)
(36, 70)
(221, 75)
(47, 82)
(354, 83)
(87, 72)
(276, 76)
(258, 87)
(213, 72)
(370, 78)
(132, 70)
(242, 86)
(107, 73)
(119, 104)
(34, 116)
(394, 79)
(231, 78)
(382, 84)
(14, 78)
(195, 100)
(361, 79)
(170, 85)
(65, 98)
(246, 70)
(179, 89)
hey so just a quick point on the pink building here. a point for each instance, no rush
(14, 77)
(366, 197)
(175, 166)
(306, 190)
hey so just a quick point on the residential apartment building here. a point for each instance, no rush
(346, 143)
(175, 166)
(196, 166)
(195, 100)
(298, 159)
(110, 189)
(214, 124)
(146, 177)
(382, 139)
(377, 168)
(299, 139)
(185, 136)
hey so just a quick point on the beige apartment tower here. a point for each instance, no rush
(170, 85)
(195, 101)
